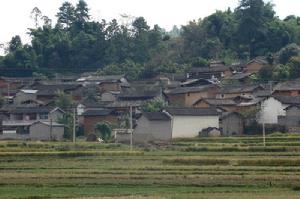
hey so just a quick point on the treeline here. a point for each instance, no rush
(75, 42)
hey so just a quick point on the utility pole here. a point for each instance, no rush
(263, 124)
(74, 125)
(131, 131)
(51, 129)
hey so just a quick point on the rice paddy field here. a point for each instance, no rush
(218, 168)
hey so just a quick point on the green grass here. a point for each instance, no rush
(219, 168)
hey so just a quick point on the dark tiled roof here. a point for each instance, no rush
(239, 89)
(209, 69)
(260, 60)
(288, 99)
(239, 76)
(140, 91)
(182, 90)
(288, 86)
(157, 116)
(192, 111)
(20, 110)
(102, 78)
(220, 102)
(54, 88)
(97, 112)
(125, 104)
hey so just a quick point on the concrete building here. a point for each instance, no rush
(153, 127)
(188, 122)
(46, 131)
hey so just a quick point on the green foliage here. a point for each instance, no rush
(287, 52)
(154, 105)
(294, 65)
(281, 72)
(77, 43)
(63, 101)
(104, 130)
(67, 121)
(200, 62)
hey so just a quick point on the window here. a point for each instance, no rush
(43, 116)
(32, 116)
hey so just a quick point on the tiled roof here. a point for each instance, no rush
(221, 102)
(288, 86)
(157, 116)
(97, 112)
(193, 111)
(239, 89)
(288, 99)
(182, 90)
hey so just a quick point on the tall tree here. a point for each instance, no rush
(253, 16)
(81, 14)
(36, 15)
(66, 15)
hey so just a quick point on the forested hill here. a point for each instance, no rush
(76, 43)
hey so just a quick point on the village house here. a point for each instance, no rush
(46, 131)
(188, 122)
(105, 83)
(17, 120)
(224, 104)
(153, 127)
(187, 96)
(239, 78)
(288, 88)
(231, 123)
(275, 106)
(140, 93)
(291, 120)
(255, 65)
(241, 90)
(93, 116)
(48, 92)
(218, 72)
(25, 95)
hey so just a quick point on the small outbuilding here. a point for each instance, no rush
(232, 123)
(46, 131)
(154, 126)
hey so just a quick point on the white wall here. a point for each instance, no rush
(270, 110)
(190, 126)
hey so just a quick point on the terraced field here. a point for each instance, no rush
(221, 168)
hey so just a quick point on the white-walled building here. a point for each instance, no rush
(274, 106)
(188, 122)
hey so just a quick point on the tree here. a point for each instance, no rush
(81, 14)
(104, 130)
(63, 101)
(67, 121)
(154, 105)
(14, 44)
(66, 15)
(294, 64)
(36, 15)
(281, 72)
(253, 16)
(287, 52)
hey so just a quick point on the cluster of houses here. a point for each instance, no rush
(217, 100)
